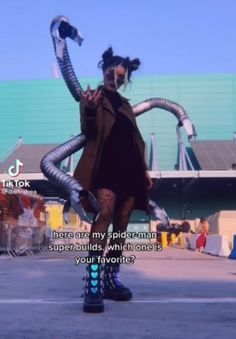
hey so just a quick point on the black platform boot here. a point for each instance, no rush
(93, 294)
(113, 288)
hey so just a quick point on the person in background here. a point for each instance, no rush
(185, 229)
(204, 230)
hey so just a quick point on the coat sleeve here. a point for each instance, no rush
(88, 120)
(141, 141)
(144, 161)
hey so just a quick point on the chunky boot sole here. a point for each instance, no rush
(124, 296)
(93, 308)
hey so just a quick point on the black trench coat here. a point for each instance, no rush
(96, 125)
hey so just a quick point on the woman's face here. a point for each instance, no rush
(114, 77)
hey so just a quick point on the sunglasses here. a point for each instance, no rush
(110, 75)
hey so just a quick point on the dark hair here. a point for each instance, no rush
(108, 60)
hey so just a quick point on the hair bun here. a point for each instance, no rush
(108, 54)
(134, 64)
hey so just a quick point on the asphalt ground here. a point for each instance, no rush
(178, 293)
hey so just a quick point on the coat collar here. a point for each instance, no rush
(101, 88)
(107, 105)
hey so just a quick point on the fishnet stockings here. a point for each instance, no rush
(120, 222)
(112, 209)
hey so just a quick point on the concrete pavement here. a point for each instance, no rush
(177, 293)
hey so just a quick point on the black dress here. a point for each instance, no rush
(121, 167)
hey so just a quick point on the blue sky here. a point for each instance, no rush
(169, 36)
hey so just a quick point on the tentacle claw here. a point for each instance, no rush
(159, 213)
(66, 211)
(76, 199)
(61, 29)
(78, 196)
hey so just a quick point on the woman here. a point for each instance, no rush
(113, 167)
(204, 231)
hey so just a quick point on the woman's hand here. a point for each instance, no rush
(148, 180)
(91, 100)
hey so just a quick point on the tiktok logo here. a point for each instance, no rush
(14, 170)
